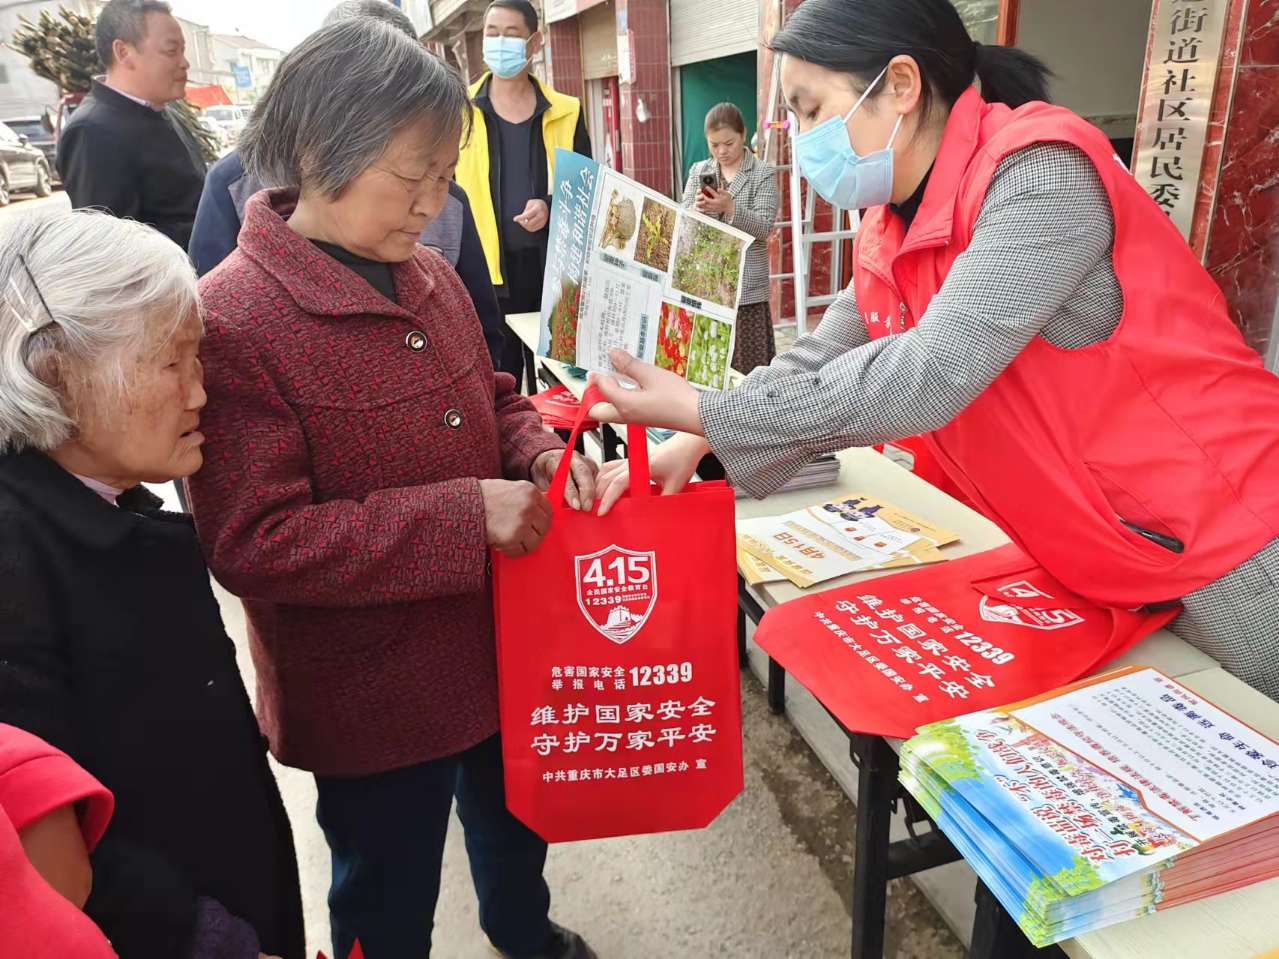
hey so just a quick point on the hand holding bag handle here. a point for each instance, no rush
(636, 450)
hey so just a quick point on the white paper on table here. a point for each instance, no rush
(868, 535)
(807, 546)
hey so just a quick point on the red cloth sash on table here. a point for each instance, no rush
(617, 662)
(891, 654)
(559, 408)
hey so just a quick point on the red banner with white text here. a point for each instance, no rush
(894, 653)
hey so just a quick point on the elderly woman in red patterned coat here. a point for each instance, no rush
(361, 459)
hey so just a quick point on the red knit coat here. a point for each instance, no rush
(340, 496)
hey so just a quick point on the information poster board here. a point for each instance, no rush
(629, 268)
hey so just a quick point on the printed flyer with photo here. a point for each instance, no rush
(852, 535)
(1103, 801)
(629, 268)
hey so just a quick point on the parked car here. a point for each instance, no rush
(230, 120)
(216, 133)
(23, 168)
(40, 133)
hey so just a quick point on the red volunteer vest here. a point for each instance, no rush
(1171, 424)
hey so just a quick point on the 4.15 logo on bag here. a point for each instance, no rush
(616, 590)
(1018, 615)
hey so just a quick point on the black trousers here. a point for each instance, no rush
(522, 293)
(386, 835)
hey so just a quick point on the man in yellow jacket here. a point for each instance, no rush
(507, 167)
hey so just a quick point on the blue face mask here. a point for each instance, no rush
(505, 56)
(828, 161)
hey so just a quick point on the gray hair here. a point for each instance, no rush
(124, 20)
(375, 10)
(337, 100)
(81, 295)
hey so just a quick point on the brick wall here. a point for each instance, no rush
(564, 65)
(646, 147)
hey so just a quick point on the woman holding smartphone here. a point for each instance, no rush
(734, 187)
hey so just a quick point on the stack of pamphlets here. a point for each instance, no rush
(835, 538)
(1103, 801)
(823, 471)
(756, 571)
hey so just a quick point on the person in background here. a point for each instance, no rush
(52, 815)
(1021, 302)
(228, 188)
(363, 458)
(744, 196)
(112, 648)
(121, 151)
(507, 166)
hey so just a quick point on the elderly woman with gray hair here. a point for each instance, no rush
(111, 645)
(362, 458)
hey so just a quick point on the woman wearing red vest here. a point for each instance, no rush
(1020, 303)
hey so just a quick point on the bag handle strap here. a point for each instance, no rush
(636, 451)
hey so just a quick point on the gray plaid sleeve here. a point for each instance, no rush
(840, 330)
(690, 188)
(1045, 225)
(757, 216)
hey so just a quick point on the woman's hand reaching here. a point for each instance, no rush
(671, 467)
(660, 398)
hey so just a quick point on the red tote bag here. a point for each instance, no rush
(897, 652)
(617, 662)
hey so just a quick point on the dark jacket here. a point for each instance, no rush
(228, 187)
(112, 649)
(131, 161)
(537, 165)
(340, 495)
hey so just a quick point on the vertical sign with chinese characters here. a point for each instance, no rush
(1181, 75)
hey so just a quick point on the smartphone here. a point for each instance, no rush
(1170, 543)
(710, 182)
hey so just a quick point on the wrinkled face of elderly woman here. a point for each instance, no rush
(382, 212)
(100, 333)
(148, 431)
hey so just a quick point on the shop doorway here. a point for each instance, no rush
(606, 121)
(597, 28)
(704, 84)
(1097, 51)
